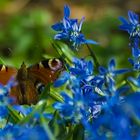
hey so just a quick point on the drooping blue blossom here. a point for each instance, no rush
(132, 26)
(70, 30)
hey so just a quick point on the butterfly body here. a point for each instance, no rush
(30, 79)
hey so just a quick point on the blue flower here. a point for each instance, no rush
(86, 94)
(94, 101)
(113, 108)
(135, 83)
(63, 78)
(135, 60)
(76, 109)
(83, 70)
(132, 26)
(32, 110)
(111, 72)
(5, 99)
(70, 30)
(23, 132)
(72, 107)
(80, 69)
(110, 125)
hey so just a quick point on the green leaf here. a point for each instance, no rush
(46, 128)
(93, 56)
(55, 95)
(58, 127)
(78, 133)
(38, 108)
(64, 51)
(14, 116)
(1, 61)
(46, 92)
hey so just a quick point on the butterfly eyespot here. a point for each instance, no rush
(55, 64)
(40, 87)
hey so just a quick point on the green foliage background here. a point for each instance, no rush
(26, 34)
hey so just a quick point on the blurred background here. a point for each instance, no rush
(26, 34)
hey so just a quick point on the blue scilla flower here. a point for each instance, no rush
(135, 83)
(71, 108)
(23, 132)
(135, 60)
(75, 109)
(80, 69)
(111, 72)
(114, 95)
(83, 70)
(132, 26)
(70, 30)
(5, 99)
(110, 125)
(111, 109)
(86, 92)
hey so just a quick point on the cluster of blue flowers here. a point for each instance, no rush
(93, 95)
(95, 105)
(105, 108)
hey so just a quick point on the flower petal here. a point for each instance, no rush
(134, 19)
(88, 41)
(66, 11)
(58, 27)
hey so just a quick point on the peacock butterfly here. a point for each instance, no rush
(30, 80)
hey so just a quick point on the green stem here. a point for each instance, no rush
(93, 55)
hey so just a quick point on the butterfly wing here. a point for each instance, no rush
(30, 95)
(6, 73)
(46, 71)
(26, 92)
